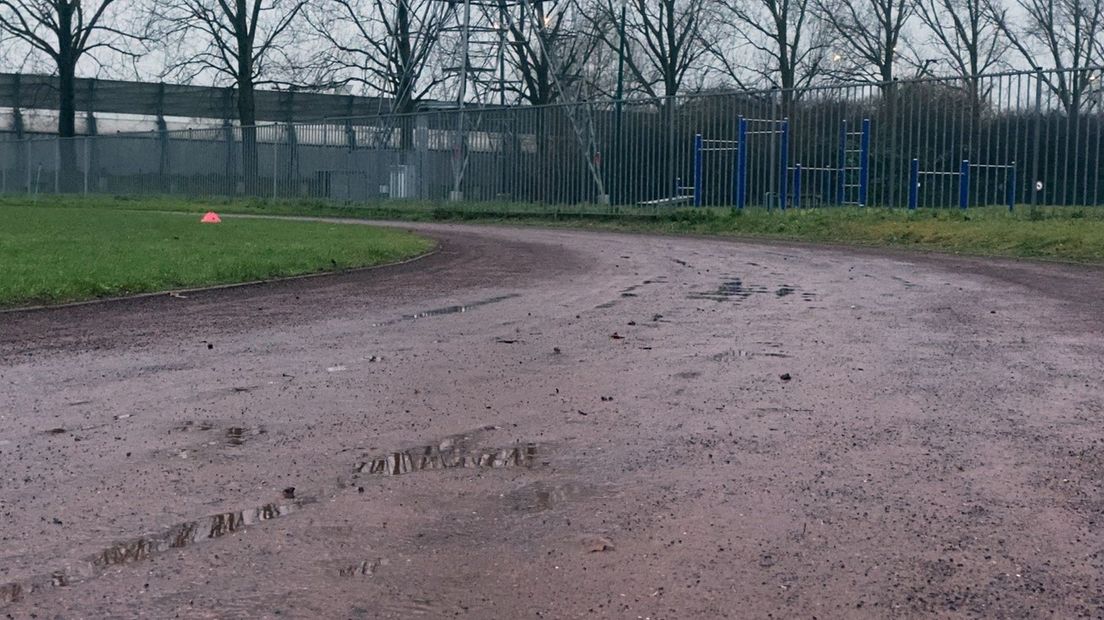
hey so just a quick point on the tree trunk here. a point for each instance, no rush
(67, 103)
(247, 117)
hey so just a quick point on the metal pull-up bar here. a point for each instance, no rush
(963, 175)
(740, 147)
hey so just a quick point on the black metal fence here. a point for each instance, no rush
(1021, 138)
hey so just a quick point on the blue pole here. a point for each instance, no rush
(964, 184)
(914, 185)
(784, 165)
(1011, 189)
(797, 187)
(698, 143)
(741, 164)
(841, 177)
(864, 165)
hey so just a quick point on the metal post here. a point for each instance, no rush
(1010, 191)
(841, 180)
(87, 161)
(459, 155)
(964, 184)
(1037, 145)
(619, 105)
(698, 172)
(275, 157)
(797, 186)
(784, 163)
(741, 163)
(914, 185)
(864, 163)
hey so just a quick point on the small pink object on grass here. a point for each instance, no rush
(211, 218)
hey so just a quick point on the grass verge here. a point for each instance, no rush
(60, 253)
(1074, 234)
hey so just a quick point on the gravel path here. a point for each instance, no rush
(561, 424)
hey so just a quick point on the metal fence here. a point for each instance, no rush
(1013, 138)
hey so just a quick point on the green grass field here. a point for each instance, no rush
(67, 248)
(56, 252)
(1052, 233)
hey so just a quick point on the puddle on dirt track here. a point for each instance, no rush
(142, 548)
(730, 289)
(450, 453)
(447, 310)
(734, 288)
(234, 435)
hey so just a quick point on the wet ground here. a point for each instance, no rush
(566, 424)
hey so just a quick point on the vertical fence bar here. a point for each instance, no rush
(275, 159)
(741, 163)
(1010, 190)
(841, 180)
(1037, 141)
(964, 184)
(864, 163)
(914, 185)
(698, 172)
(784, 162)
(797, 187)
(87, 161)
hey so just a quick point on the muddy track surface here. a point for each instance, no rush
(564, 424)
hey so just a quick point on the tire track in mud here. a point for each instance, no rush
(452, 452)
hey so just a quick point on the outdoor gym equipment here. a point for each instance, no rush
(963, 174)
(852, 172)
(745, 127)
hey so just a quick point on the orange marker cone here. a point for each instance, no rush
(211, 218)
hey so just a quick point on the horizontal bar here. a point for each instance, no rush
(717, 141)
(718, 150)
(937, 173)
(996, 166)
(763, 133)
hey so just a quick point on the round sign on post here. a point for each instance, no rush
(1038, 186)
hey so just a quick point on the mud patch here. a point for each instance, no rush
(145, 547)
(447, 310)
(732, 289)
(364, 568)
(447, 456)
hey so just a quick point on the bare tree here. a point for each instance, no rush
(67, 32)
(868, 35)
(787, 38)
(1066, 35)
(236, 39)
(548, 48)
(964, 35)
(386, 46)
(669, 40)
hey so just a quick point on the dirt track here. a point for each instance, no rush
(938, 448)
